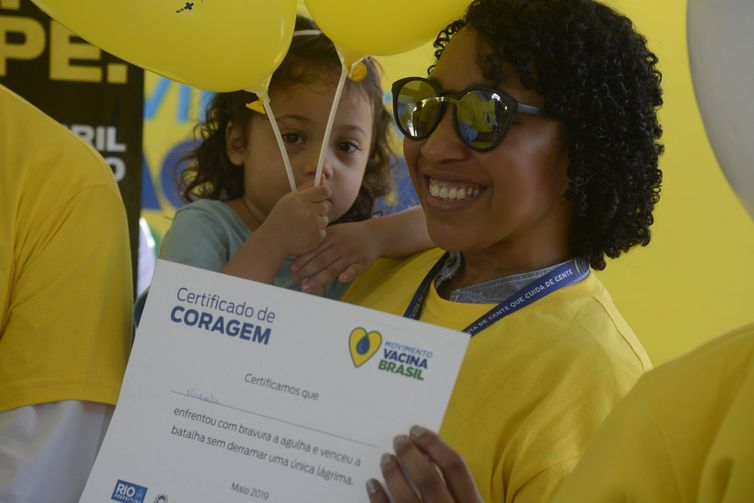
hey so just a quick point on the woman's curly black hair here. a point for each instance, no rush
(598, 77)
(210, 173)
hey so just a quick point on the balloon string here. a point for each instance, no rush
(330, 120)
(281, 145)
(299, 33)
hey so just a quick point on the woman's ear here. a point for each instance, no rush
(235, 144)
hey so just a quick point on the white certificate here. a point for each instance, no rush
(240, 392)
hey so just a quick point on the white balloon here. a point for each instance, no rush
(721, 51)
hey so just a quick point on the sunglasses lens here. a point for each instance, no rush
(416, 110)
(482, 119)
(482, 116)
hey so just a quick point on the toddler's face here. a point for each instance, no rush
(301, 112)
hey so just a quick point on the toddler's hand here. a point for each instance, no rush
(298, 220)
(347, 251)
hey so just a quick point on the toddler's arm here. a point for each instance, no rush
(295, 225)
(350, 248)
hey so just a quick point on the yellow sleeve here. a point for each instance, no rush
(68, 329)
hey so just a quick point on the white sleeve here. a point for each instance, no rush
(47, 450)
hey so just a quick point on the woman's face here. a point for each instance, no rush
(511, 195)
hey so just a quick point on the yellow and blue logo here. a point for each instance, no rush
(363, 345)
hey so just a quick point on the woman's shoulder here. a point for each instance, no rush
(576, 336)
(391, 278)
(587, 317)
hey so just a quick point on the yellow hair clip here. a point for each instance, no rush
(358, 72)
(256, 106)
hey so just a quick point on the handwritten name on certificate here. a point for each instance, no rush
(241, 392)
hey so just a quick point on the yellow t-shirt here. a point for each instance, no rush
(533, 387)
(65, 273)
(685, 433)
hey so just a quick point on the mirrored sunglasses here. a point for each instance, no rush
(481, 116)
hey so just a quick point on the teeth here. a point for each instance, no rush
(440, 190)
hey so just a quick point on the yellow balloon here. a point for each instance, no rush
(385, 27)
(213, 45)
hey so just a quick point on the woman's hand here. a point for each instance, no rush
(424, 468)
(347, 251)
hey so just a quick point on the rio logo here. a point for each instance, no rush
(126, 492)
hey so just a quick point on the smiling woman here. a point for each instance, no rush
(533, 147)
(517, 215)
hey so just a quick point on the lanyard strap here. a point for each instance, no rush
(570, 273)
